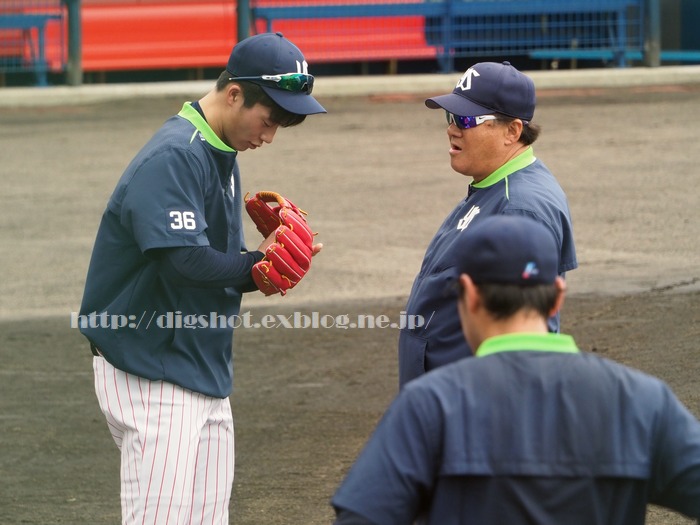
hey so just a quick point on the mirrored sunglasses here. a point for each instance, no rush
(295, 82)
(467, 122)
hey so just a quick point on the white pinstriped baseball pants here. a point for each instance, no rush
(177, 449)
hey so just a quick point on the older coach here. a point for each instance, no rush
(490, 133)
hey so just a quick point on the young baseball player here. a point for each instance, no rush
(490, 132)
(165, 281)
(530, 430)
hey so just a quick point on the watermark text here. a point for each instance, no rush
(214, 320)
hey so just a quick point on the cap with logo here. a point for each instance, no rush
(490, 87)
(270, 54)
(506, 249)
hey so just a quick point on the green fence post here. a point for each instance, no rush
(243, 14)
(652, 33)
(74, 65)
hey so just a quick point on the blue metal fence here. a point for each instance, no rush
(42, 36)
(32, 36)
(585, 28)
(608, 30)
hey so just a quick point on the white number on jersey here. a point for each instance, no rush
(182, 219)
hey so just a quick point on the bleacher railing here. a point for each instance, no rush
(38, 37)
(28, 30)
(609, 30)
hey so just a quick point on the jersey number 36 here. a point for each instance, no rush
(182, 220)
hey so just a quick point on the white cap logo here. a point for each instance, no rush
(465, 83)
(302, 67)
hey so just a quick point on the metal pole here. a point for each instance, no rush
(74, 66)
(652, 33)
(243, 19)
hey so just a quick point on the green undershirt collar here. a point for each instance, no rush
(192, 115)
(523, 160)
(524, 342)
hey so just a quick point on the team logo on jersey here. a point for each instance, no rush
(465, 83)
(469, 217)
(530, 270)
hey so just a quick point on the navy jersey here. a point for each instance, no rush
(529, 431)
(523, 186)
(181, 190)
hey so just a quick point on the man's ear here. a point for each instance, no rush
(470, 293)
(514, 130)
(560, 285)
(470, 313)
(234, 92)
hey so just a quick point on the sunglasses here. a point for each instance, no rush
(467, 122)
(295, 82)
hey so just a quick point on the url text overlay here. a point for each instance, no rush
(214, 320)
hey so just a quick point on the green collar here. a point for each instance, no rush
(523, 160)
(522, 342)
(192, 115)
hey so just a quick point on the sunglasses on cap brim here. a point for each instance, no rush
(294, 82)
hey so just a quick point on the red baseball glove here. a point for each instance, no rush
(288, 259)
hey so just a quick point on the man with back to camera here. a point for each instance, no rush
(490, 132)
(170, 245)
(530, 429)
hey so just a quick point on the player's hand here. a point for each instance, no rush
(269, 240)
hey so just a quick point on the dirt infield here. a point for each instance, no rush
(375, 177)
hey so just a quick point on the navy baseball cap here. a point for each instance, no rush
(273, 54)
(506, 249)
(490, 87)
